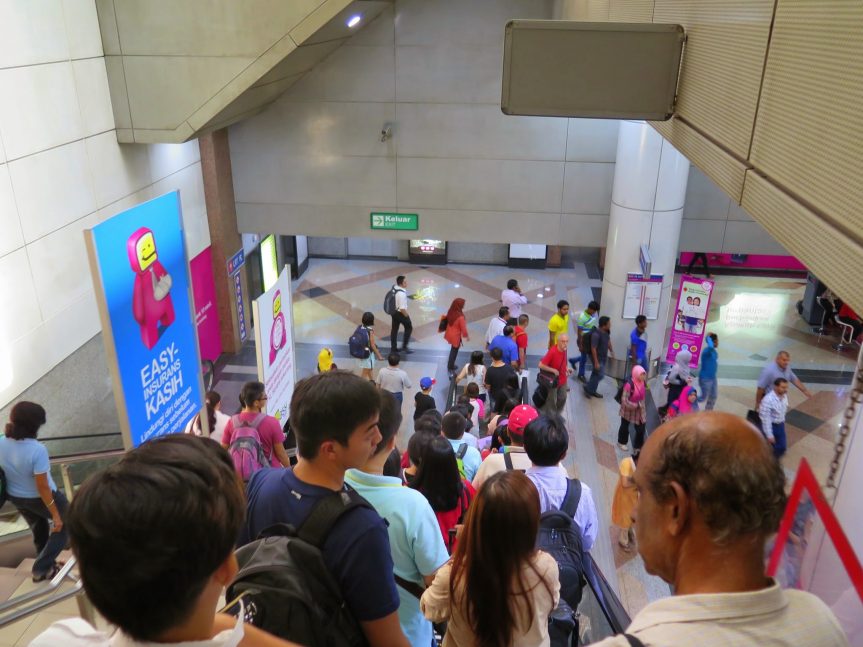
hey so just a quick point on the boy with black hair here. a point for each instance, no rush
(546, 441)
(157, 574)
(453, 428)
(393, 379)
(416, 543)
(335, 418)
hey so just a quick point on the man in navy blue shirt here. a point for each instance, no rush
(506, 342)
(335, 418)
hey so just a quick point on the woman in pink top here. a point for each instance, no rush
(254, 399)
(686, 403)
(633, 410)
(497, 590)
(456, 330)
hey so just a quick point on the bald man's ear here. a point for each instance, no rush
(678, 509)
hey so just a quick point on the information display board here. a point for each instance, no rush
(641, 296)
(141, 278)
(274, 338)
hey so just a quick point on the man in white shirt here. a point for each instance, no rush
(513, 456)
(546, 441)
(772, 412)
(710, 495)
(157, 573)
(400, 316)
(513, 299)
(496, 325)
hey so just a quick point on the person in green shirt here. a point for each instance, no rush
(584, 325)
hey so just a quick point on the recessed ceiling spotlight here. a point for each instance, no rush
(353, 21)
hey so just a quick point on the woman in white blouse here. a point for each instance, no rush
(497, 590)
(215, 418)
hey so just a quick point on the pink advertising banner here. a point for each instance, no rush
(689, 319)
(206, 313)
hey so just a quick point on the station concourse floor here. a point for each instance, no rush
(754, 317)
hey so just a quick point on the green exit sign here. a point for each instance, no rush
(410, 221)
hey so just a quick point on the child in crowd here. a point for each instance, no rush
(625, 498)
(325, 360)
(393, 379)
(423, 400)
(472, 392)
(474, 372)
(468, 412)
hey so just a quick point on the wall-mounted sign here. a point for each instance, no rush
(269, 261)
(641, 296)
(236, 262)
(241, 311)
(274, 339)
(408, 221)
(141, 279)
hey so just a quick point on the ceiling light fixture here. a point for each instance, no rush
(353, 21)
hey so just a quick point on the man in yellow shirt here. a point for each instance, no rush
(559, 322)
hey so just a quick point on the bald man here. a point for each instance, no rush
(710, 495)
(779, 367)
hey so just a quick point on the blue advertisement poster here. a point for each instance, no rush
(143, 282)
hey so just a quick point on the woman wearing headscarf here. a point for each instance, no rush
(677, 378)
(456, 331)
(633, 409)
(686, 403)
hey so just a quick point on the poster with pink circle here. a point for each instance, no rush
(689, 319)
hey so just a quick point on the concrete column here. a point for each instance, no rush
(646, 208)
(225, 240)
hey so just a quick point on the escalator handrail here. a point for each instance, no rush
(525, 391)
(612, 608)
(451, 395)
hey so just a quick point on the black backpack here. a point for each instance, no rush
(618, 397)
(560, 537)
(358, 343)
(390, 301)
(563, 626)
(289, 592)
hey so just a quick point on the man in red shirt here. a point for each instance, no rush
(521, 339)
(555, 362)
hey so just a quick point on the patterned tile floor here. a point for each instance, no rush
(753, 316)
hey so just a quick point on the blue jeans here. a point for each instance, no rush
(48, 544)
(596, 376)
(781, 443)
(582, 364)
(709, 388)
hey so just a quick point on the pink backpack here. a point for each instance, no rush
(246, 448)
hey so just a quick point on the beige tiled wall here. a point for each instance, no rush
(62, 171)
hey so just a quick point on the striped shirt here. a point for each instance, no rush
(770, 616)
(586, 321)
(772, 411)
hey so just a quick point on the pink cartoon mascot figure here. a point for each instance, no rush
(151, 301)
(278, 334)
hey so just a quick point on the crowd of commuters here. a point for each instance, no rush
(447, 531)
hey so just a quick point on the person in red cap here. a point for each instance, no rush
(513, 456)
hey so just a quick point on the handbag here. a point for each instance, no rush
(441, 327)
(546, 379)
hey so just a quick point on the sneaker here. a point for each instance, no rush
(622, 447)
(582, 379)
(588, 393)
(407, 351)
(49, 575)
(572, 362)
(597, 395)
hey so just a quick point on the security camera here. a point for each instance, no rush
(386, 132)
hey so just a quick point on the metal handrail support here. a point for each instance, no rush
(40, 605)
(41, 591)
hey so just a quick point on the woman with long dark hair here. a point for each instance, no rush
(498, 589)
(438, 478)
(215, 418)
(31, 489)
(456, 331)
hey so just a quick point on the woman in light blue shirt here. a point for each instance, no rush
(31, 489)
